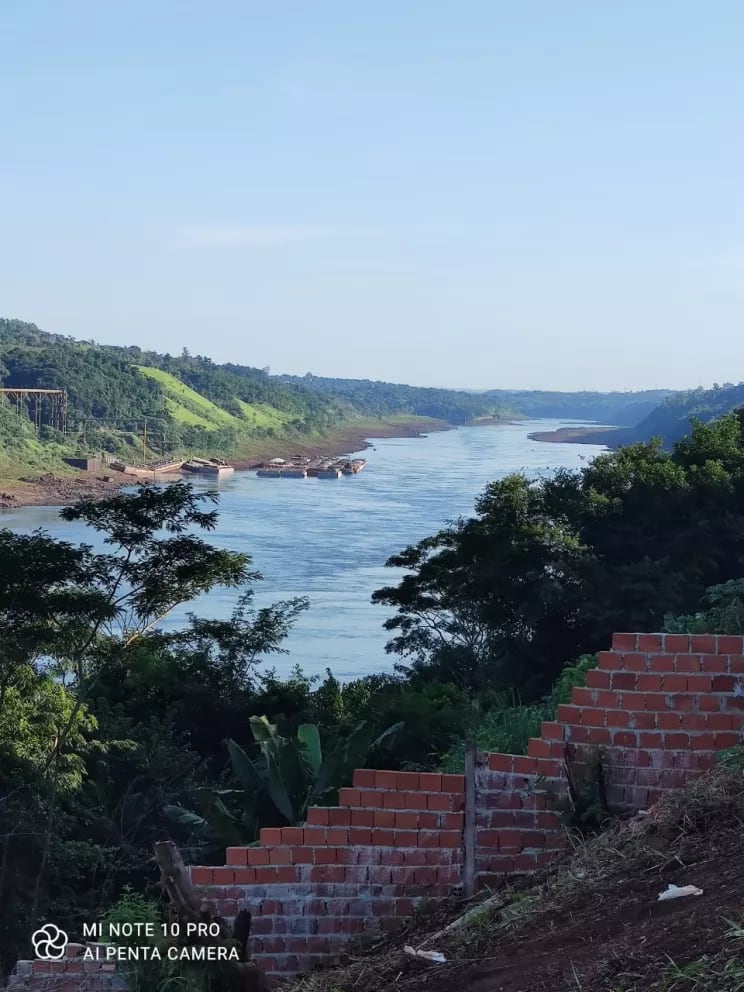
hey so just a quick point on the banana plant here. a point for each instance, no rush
(290, 775)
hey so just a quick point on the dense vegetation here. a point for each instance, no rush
(671, 420)
(114, 734)
(381, 399)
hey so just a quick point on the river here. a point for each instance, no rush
(328, 540)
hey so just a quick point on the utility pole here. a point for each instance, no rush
(144, 444)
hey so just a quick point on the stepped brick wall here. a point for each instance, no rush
(658, 707)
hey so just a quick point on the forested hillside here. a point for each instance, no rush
(457, 406)
(621, 408)
(671, 419)
(188, 403)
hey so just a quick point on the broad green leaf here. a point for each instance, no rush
(309, 737)
(262, 729)
(185, 817)
(245, 770)
(277, 790)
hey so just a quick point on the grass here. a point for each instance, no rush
(263, 415)
(186, 406)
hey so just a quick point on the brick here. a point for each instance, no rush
(618, 718)
(650, 642)
(318, 816)
(393, 800)
(608, 661)
(623, 680)
(635, 662)
(735, 664)
(429, 782)
(292, 835)
(714, 664)
(201, 876)
(551, 731)
(406, 838)
(688, 664)
(662, 664)
(703, 644)
(582, 696)
(256, 856)
(675, 683)
(383, 838)
(501, 762)
(236, 856)
(280, 856)
(406, 821)
(324, 855)
(414, 800)
(337, 836)
(597, 679)
(600, 736)
(270, 835)
(340, 817)
(719, 721)
(524, 765)
(362, 817)
(624, 738)
(729, 644)
(624, 642)
(407, 781)
(349, 797)
(302, 855)
(642, 720)
(384, 818)
(677, 643)
(726, 738)
(360, 836)
(223, 876)
(672, 740)
(439, 801)
(538, 748)
(566, 713)
(363, 778)
(723, 683)
(699, 683)
(266, 875)
(649, 683)
(453, 783)
(314, 836)
(386, 780)
(654, 741)
(702, 742)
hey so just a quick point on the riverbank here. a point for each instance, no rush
(337, 443)
(611, 436)
(62, 488)
(55, 490)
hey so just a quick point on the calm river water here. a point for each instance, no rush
(328, 540)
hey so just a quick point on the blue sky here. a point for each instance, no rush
(532, 194)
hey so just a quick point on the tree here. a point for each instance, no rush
(548, 569)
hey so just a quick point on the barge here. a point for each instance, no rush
(213, 467)
(313, 468)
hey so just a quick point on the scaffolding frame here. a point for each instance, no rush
(55, 399)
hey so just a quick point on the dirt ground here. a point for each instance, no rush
(52, 490)
(594, 923)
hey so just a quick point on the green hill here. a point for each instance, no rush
(671, 419)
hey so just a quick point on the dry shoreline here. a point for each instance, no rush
(576, 435)
(63, 490)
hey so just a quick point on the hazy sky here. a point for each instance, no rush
(506, 194)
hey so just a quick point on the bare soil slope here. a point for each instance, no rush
(593, 923)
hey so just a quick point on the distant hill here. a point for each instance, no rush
(671, 419)
(457, 406)
(620, 408)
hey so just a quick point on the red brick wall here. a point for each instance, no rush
(658, 705)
